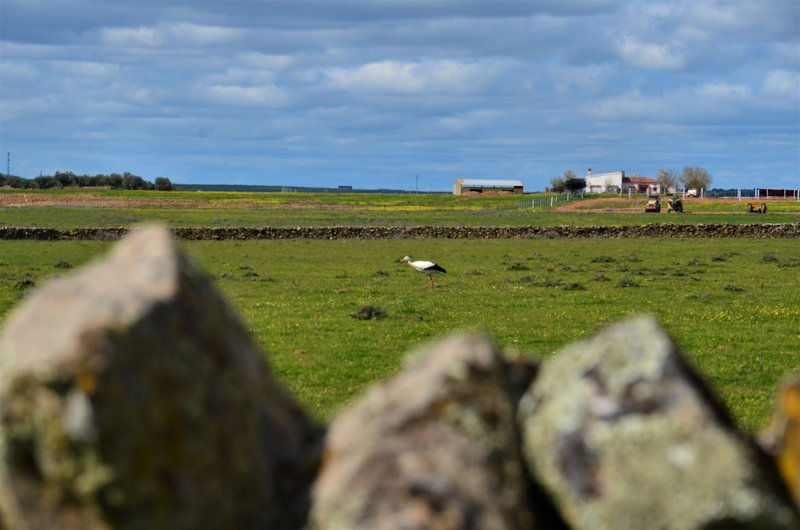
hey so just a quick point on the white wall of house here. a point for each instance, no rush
(604, 182)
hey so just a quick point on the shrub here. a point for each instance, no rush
(163, 184)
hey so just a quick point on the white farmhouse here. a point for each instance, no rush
(617, 182)
(604, 182)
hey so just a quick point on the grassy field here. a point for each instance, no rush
(112, 208)
(733, 305)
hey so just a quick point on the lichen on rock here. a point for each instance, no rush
(623, 434)
(434, 447)
(131, 394)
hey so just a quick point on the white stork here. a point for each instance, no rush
(428, 267)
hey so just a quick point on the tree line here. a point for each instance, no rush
(68, 179)
(690, 178)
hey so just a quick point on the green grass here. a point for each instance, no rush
(225, 209)
(732, 305)
(66, 218)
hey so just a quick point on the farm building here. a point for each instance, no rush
(777, 192)
(617, 182)
(486, 186)
(642, 185)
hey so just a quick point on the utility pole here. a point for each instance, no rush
(8, 164)
(416, 184)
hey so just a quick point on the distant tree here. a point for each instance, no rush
(569, 175)
(2, 180)
(575, 184)
(44, 182)
(115, 181)
(557, 184)
(667, 178)
(15, 182)
(133, 182)
(163, 184)
(85, 181)
(695, 178)
(64, 179)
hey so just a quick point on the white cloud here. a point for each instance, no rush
(185, 34)
(691, 34)
(141, 36)
(440, 76)
(472, 120)
(141, 95)
(787, 53)
(269, 96)
(267, 61)
(737, 19)
(782, 83)
(86, 68)
(716, 14)
(624, 107)
(649, 56)
(18, 71)
(241, 76)
(179, 35)
(25, 108)
(723, 90)
(584, 79)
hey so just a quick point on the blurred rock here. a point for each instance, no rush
(131, 396)
(624, 435)
(435, 447)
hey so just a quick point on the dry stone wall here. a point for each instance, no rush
(788, 230)
(145, 404)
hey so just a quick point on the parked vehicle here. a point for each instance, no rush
(653, 205)
(754, 208)
(675, 204)
(691, 193)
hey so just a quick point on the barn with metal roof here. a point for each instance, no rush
(486, 187)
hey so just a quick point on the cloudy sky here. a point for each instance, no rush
(400, 94)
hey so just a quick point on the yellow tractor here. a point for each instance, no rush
(675, 204)
(653, 204)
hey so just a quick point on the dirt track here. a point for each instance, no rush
(634, 204)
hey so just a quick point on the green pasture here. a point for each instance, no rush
(732, 304)
(248, 209)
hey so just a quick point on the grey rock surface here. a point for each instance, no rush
(131, 396)
(434, 447)
(624, 435)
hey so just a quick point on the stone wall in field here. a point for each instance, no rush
(145, 404)
(789, 230)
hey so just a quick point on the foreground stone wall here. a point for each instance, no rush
(759, 230)
(132, 397)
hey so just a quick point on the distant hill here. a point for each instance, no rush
(283, 189)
